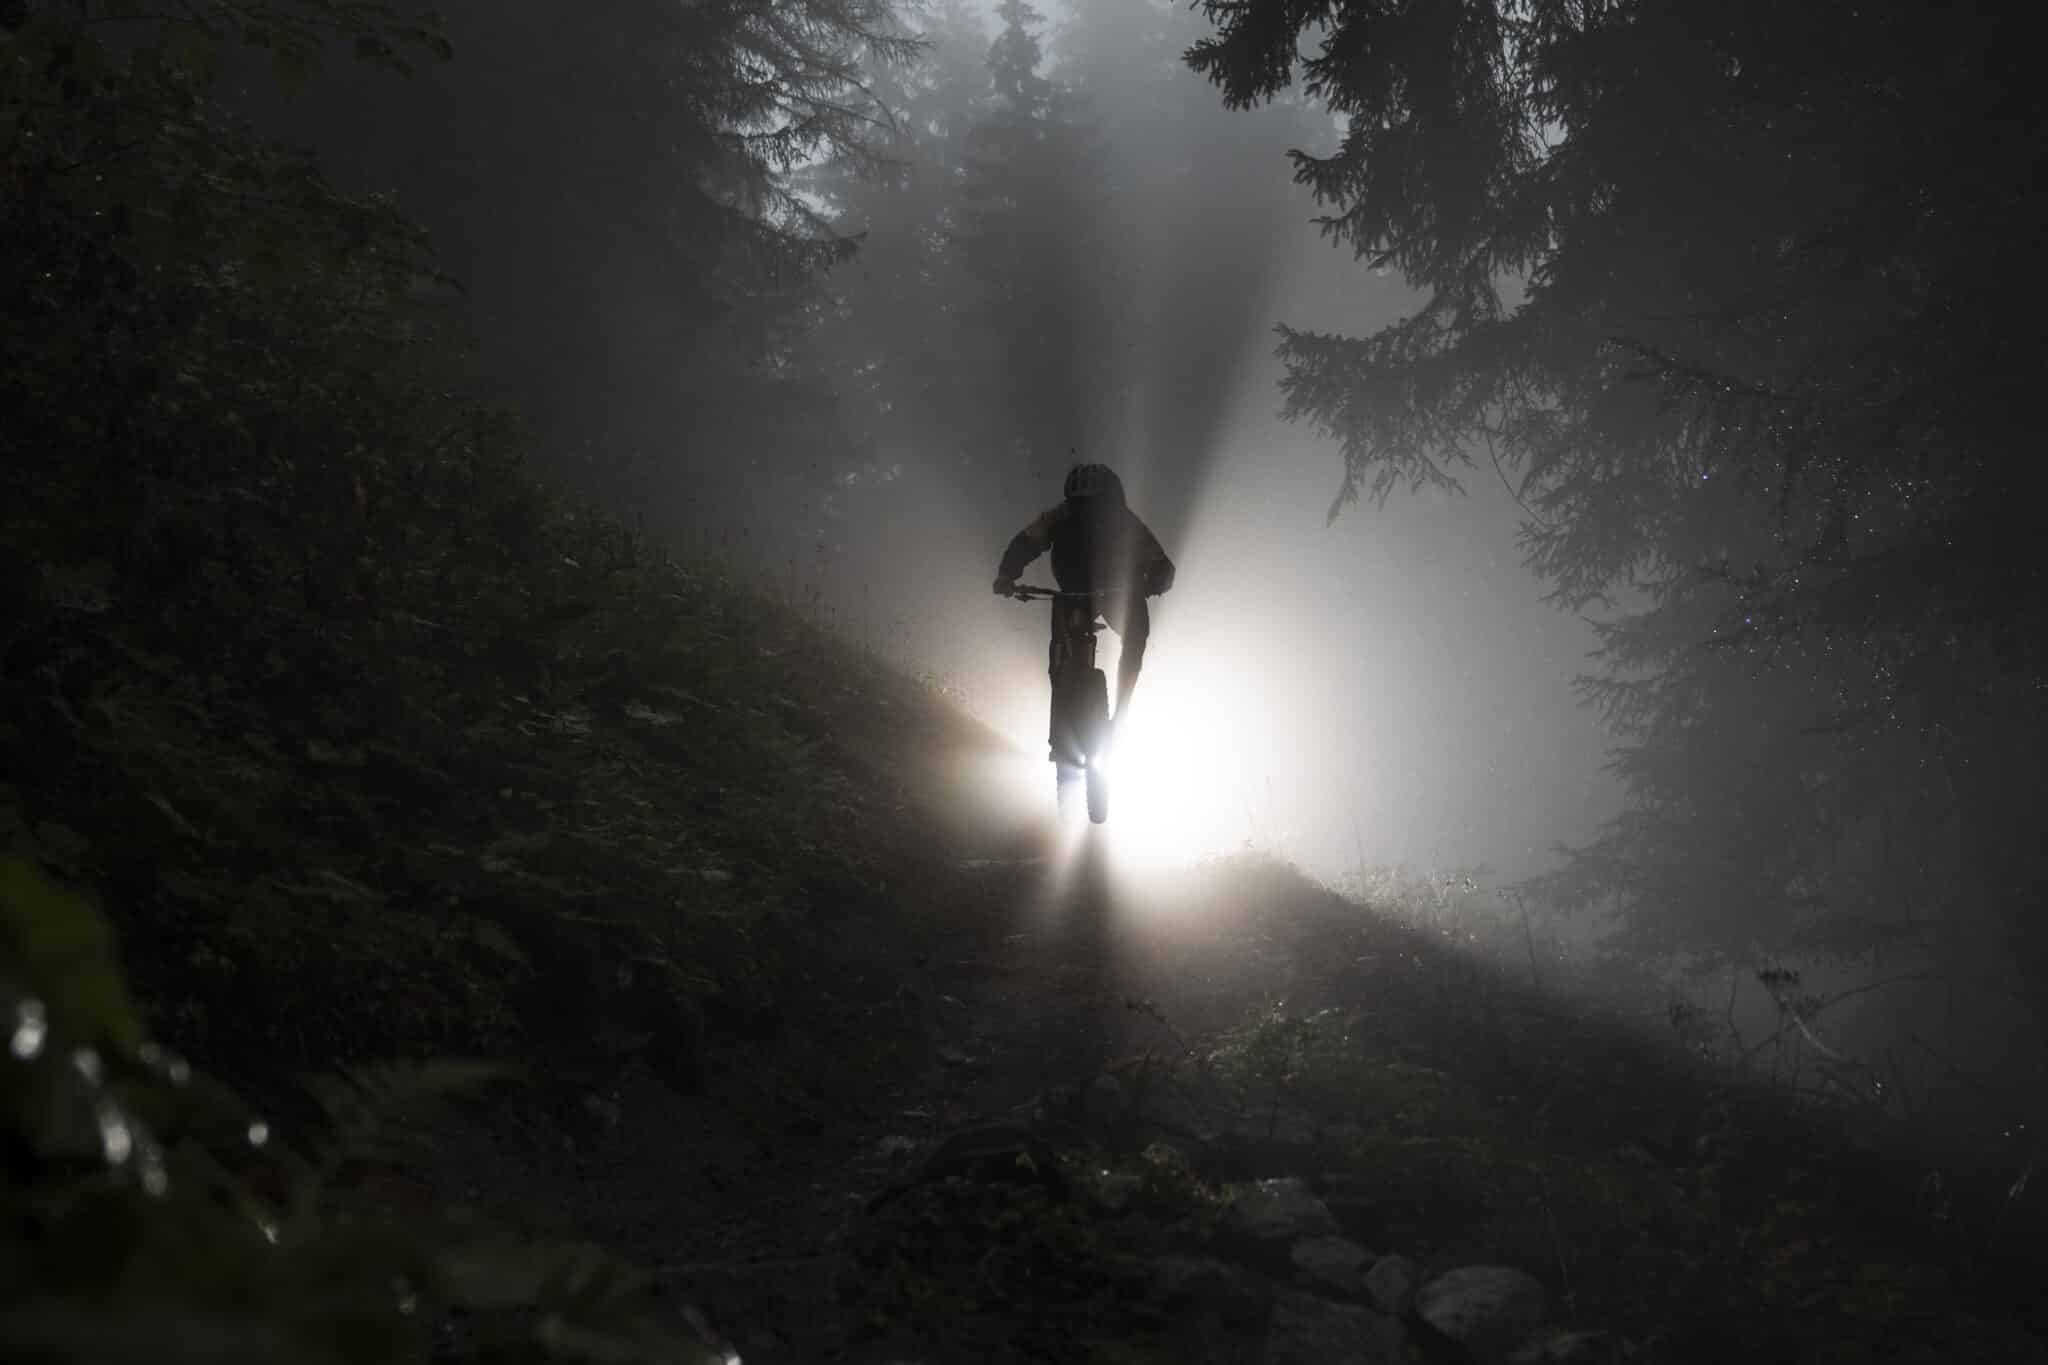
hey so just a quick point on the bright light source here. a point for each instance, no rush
(1191, 764)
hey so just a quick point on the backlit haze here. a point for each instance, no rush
(1388, 689)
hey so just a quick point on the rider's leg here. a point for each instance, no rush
(1133, 625)
(1055, 661)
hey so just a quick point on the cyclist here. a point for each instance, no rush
(1098, 545)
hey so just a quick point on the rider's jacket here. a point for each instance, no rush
(1096, 544)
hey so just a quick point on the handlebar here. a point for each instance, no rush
(1025, 592)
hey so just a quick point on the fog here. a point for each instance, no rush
(1387, 688)
(1043, 238)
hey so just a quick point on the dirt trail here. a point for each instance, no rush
(1021, 995)
(1517, 1127)
(1050, 966)
(1077, 971)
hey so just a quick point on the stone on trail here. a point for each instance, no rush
(1306, 1330)
(1269, 1211)
(1565, 1348)
(1237, 1295)
(1332, 1265)
(1390, 1284)
(999, 1152)
(1487, 1309)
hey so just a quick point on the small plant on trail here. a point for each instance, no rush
(1279, 1058)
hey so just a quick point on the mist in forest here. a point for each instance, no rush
(1418, 448)
(1071, 251)
(510, 533)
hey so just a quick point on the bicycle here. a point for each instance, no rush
(1080, 731)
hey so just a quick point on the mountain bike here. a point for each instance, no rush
(1080, 732)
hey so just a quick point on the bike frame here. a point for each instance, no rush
(1080, 698)
(1088, 625)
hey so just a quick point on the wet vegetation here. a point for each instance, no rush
(417, 871)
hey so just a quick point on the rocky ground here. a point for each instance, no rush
(1071, 1172)
(1223, 1115)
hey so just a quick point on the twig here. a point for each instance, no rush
(1728, 1015)
(1564, 1270)
(1150, 1009)
(1486, 434)
(737, 1267)
(1528, 935)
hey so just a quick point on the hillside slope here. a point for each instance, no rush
(860, 1063)
(373, 754)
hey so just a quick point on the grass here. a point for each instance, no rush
(1694, 1215)
(531, 791)
(1449, 1112)
(577, 798)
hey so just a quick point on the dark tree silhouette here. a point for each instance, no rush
(614, 191)
(1029, 234)
(1740, 299)
(895, 332)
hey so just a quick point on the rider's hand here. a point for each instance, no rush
(1006, 587)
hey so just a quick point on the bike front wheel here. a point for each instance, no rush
(1098, 795)
(1067, 780)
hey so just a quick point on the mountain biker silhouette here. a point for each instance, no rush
(1098, 545)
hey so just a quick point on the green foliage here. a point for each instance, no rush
(132, 1226)
(381, 748)
(618, 200)
(1006, 1270)
(60, 953)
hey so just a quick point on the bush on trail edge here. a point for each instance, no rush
(149, 1216)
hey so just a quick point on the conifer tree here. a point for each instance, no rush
(891, 332)
(1029, 225)
(1740, 299)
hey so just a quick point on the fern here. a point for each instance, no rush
(120, 1247)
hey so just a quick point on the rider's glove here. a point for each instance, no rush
(1005, 587)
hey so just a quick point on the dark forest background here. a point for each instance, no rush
(1738, 300)
(1734, 297)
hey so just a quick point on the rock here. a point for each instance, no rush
(1390, 1284)
(1237, 1295)
(1557, 1347)
(1487, 1309)
(1332, 1265)
(1269, 1211)
(1306, 1330)
(1352, 1201)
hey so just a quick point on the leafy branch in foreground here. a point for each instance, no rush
(138, 1220)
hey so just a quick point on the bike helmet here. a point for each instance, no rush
(1093, 481)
